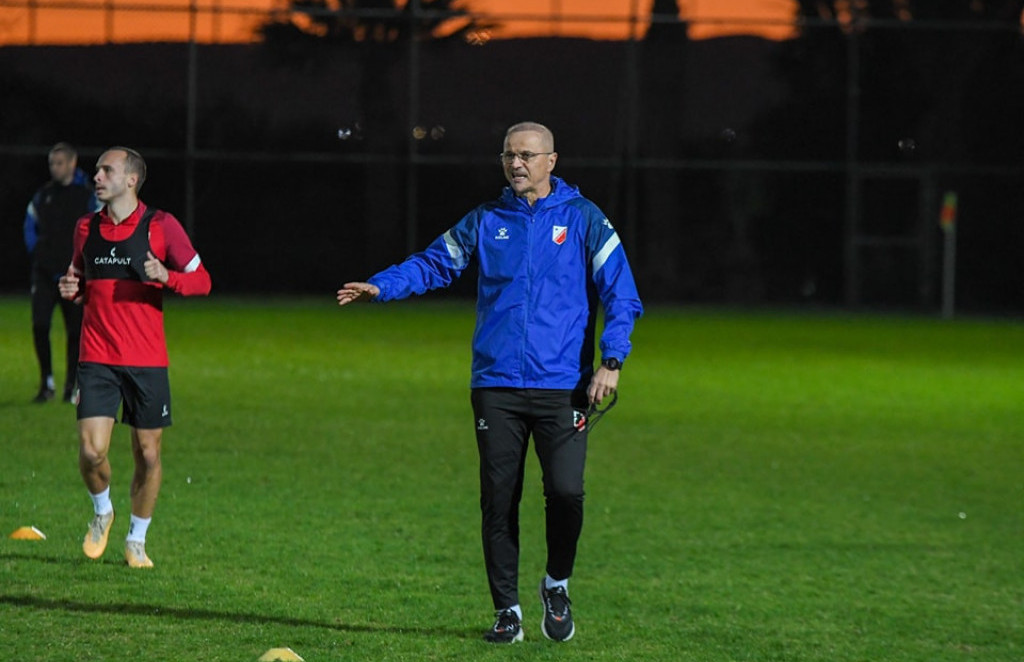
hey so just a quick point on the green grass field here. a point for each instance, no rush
(788, 487)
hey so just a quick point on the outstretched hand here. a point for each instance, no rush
(352, 292)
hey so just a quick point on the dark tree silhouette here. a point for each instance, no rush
(370, 21)
(665, 22)
(379, 35)
(913, 84)
(949, 94)
(659, 100)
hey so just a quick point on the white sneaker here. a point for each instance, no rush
(96, 537)
(135, 554)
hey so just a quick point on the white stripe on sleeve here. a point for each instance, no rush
(454, 250)
(606, 250)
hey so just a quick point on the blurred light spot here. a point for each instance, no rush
(419, 133)
(354, 132)
(437, 133)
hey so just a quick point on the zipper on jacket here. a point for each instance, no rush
(528, 291)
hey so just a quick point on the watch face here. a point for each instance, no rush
(611, 364)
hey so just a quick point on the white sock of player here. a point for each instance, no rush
(138, 527)
(550, 583)
(518, 610)
(101, 504)
(49, 382)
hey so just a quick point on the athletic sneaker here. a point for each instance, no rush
(135, 554)
(557, 624)
(45, 395)
(507, 628)
(96, 536)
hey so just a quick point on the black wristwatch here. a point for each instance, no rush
(612, 363)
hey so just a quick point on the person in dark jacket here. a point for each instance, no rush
(546, 257)
(49, 225)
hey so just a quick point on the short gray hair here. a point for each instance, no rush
(546, 136)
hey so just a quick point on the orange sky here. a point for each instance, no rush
(233, 20)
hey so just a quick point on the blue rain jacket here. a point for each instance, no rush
(542, 270)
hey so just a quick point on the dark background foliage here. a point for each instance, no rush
(730, 166)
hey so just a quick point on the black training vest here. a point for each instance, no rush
(117, 259)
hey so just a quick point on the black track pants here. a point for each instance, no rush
(505, 419)
(46, 297)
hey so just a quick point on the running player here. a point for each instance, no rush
(125, 257)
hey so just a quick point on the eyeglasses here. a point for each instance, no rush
(525, 157)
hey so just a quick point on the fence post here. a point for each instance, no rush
(947, 220)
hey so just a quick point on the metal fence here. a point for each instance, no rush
(738, 169)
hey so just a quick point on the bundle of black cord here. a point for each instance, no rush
(594, 413)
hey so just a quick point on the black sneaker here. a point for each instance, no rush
(507, 628)
(557, 624)
(45, 395)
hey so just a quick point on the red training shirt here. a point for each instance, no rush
(123, 320)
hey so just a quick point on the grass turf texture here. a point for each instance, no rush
(770, 487)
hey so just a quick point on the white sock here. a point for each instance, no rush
(550, 583)
(101, 504)
(138, 527)
(518, 610)
(49, 382)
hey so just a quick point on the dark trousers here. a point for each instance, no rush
(46, 297)
(505, 420)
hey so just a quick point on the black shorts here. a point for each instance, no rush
(145, 393)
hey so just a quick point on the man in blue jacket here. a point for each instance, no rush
(546, 255)
(49, 225)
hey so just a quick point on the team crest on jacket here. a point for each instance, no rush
(559, 233)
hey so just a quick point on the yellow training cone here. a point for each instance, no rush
(28, 533)
(281, 655)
